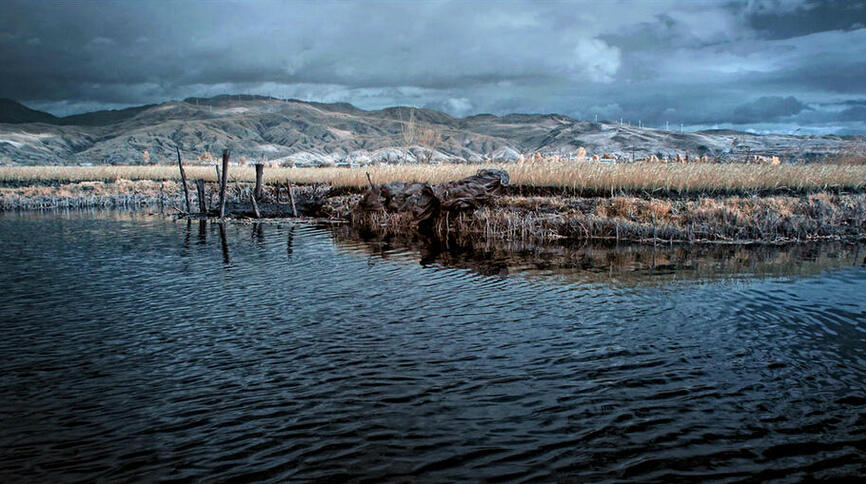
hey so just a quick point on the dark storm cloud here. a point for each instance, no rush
(698, 63)
(768, 108)
(857, 113)
(782, 20)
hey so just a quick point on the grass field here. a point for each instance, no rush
(598, 177)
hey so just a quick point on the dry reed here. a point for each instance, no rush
(579, 177)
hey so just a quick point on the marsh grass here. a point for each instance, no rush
(855, 154)
(752, 219)
(578, 177)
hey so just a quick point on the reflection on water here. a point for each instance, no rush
(611, 263)
(137, 347)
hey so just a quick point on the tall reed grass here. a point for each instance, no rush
(591, 177)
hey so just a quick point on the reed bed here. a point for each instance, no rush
(741, 220)
(579, 177)
(116, 194)
(91, 194)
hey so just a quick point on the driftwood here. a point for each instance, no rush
(471, 192)
(426, 202)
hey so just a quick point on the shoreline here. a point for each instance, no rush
(772, 219)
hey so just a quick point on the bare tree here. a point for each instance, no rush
(416, 133)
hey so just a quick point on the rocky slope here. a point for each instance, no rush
(307, 133)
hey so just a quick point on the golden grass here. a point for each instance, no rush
(737, 219)
(600, 177)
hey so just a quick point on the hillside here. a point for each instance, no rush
(15, 112)
(311, 134)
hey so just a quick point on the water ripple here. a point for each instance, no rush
(137, 348)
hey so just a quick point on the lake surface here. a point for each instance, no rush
(136, 347)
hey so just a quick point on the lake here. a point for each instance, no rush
(138, 347)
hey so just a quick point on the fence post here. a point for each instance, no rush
(258, 192)
(223, 181)
(183, 180)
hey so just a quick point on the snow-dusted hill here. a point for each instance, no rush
(306, 133)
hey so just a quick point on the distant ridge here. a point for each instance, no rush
(295, 132)
(12, 111)
(102, 118)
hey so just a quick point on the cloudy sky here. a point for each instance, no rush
(764, 65)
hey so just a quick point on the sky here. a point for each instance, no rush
(794, 66)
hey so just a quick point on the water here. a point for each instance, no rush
(140, 348)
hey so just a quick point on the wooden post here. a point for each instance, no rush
(258, 192)
(183, 179)
(292, 198)
(219, 178)
(223, 180)
(199, 186)
(370, 180)
(255, 205)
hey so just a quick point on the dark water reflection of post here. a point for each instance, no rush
(224, 243)
(290, 241)
(187, 234)
(202, 232)
(259, 234)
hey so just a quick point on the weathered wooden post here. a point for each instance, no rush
(183, 179)
(223, 180)
(255, 205)
(289, 187)
(258, 192)
(199, 187)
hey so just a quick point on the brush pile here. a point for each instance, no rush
(426, 203)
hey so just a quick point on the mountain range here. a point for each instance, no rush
(300, 133)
